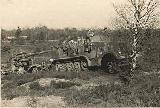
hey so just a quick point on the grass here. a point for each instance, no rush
(36, 86)
(12, 83)
(143, 90)
(63, 85)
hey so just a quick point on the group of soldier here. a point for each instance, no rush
(74, 47)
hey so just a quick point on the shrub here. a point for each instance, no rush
(35, 86)
(62, 85)
(9, 93)
(88, 95)
(146, 88)
(9, 85)
(22, 78)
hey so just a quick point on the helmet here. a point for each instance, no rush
(91, 33)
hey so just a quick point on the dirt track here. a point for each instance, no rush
(48, 102)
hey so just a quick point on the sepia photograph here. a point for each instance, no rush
(80, 53)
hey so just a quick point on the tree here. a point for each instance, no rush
(3, 34)
(137, 16)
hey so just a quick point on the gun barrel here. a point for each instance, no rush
(38, 53)
(34, 54)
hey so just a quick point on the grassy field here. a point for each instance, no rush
(80, 89)
(85, 88)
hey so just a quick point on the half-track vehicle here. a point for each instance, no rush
(90, 52)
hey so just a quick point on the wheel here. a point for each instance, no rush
(84, 65)
(110, 67)
(35, 70)
(113, 68)
(57, 67)
(77, 66)
(70, 66)
(108, 63)
(60, 67)
(64, 67)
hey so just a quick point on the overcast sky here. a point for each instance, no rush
(56, 13)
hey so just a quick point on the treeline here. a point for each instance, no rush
(44, 33)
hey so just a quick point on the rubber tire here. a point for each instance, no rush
(108, 63)
(112, 68)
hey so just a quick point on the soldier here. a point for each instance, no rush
(14, 65)
(26, 62)
(87, 42)
(18, 32)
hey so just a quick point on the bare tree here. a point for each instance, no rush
(136, 16)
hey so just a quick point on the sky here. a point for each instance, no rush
(56, 13)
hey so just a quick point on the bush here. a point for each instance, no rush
(9, 85)
(88, 95)
(62, 85)
(23, 78)
(147, 89)
(8, 91)
(9, 94)
(36, 86)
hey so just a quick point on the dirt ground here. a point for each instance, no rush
(48, 102)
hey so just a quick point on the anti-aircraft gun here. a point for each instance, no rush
(22, 62)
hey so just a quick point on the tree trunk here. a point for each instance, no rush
(134, 50)
(134, 59)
